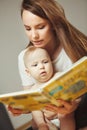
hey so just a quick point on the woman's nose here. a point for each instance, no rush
(35, 35)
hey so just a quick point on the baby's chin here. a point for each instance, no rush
(45, 79)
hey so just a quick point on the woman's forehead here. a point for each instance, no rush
(30, 18)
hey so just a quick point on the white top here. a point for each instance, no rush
(61, 63)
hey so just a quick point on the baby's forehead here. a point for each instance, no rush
(40, 50)
(39, 53)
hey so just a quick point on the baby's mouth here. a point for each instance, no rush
(43, 73)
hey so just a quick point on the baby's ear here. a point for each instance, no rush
(27, 71)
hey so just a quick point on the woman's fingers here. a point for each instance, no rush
(15, 112)
(65, 108)
(78, 100)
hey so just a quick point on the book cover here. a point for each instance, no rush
(67, 85)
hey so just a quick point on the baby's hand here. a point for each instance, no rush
(49, 114)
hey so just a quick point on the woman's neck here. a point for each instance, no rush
(53, 49)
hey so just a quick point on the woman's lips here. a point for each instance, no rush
(37, 42)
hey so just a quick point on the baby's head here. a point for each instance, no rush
(38, 64)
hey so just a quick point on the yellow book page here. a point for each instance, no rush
(69, 86)
(27, 102)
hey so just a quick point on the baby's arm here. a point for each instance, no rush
(39, 120)
(38, 117)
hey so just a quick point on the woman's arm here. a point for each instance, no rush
(65, 113)
(67, 122)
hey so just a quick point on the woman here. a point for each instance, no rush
(47, 27)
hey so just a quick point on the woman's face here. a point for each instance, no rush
(38, 30)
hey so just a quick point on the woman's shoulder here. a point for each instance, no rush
(21, 54)
(62, 61)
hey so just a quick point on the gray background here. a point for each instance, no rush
(13, 40)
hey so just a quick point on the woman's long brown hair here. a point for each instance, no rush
(73, 41)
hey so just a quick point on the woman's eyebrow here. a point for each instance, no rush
(26, 26)
(39, 24)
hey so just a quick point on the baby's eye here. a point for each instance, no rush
(34, 65)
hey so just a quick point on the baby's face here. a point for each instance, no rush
(40, 65)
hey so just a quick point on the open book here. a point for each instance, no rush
(68, 85)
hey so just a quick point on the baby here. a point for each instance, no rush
(39, 65)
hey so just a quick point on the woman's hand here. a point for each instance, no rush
(65, 107)
(17, 111)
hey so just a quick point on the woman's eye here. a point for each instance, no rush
(28, 29)
(45, 62)
(41, 27)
